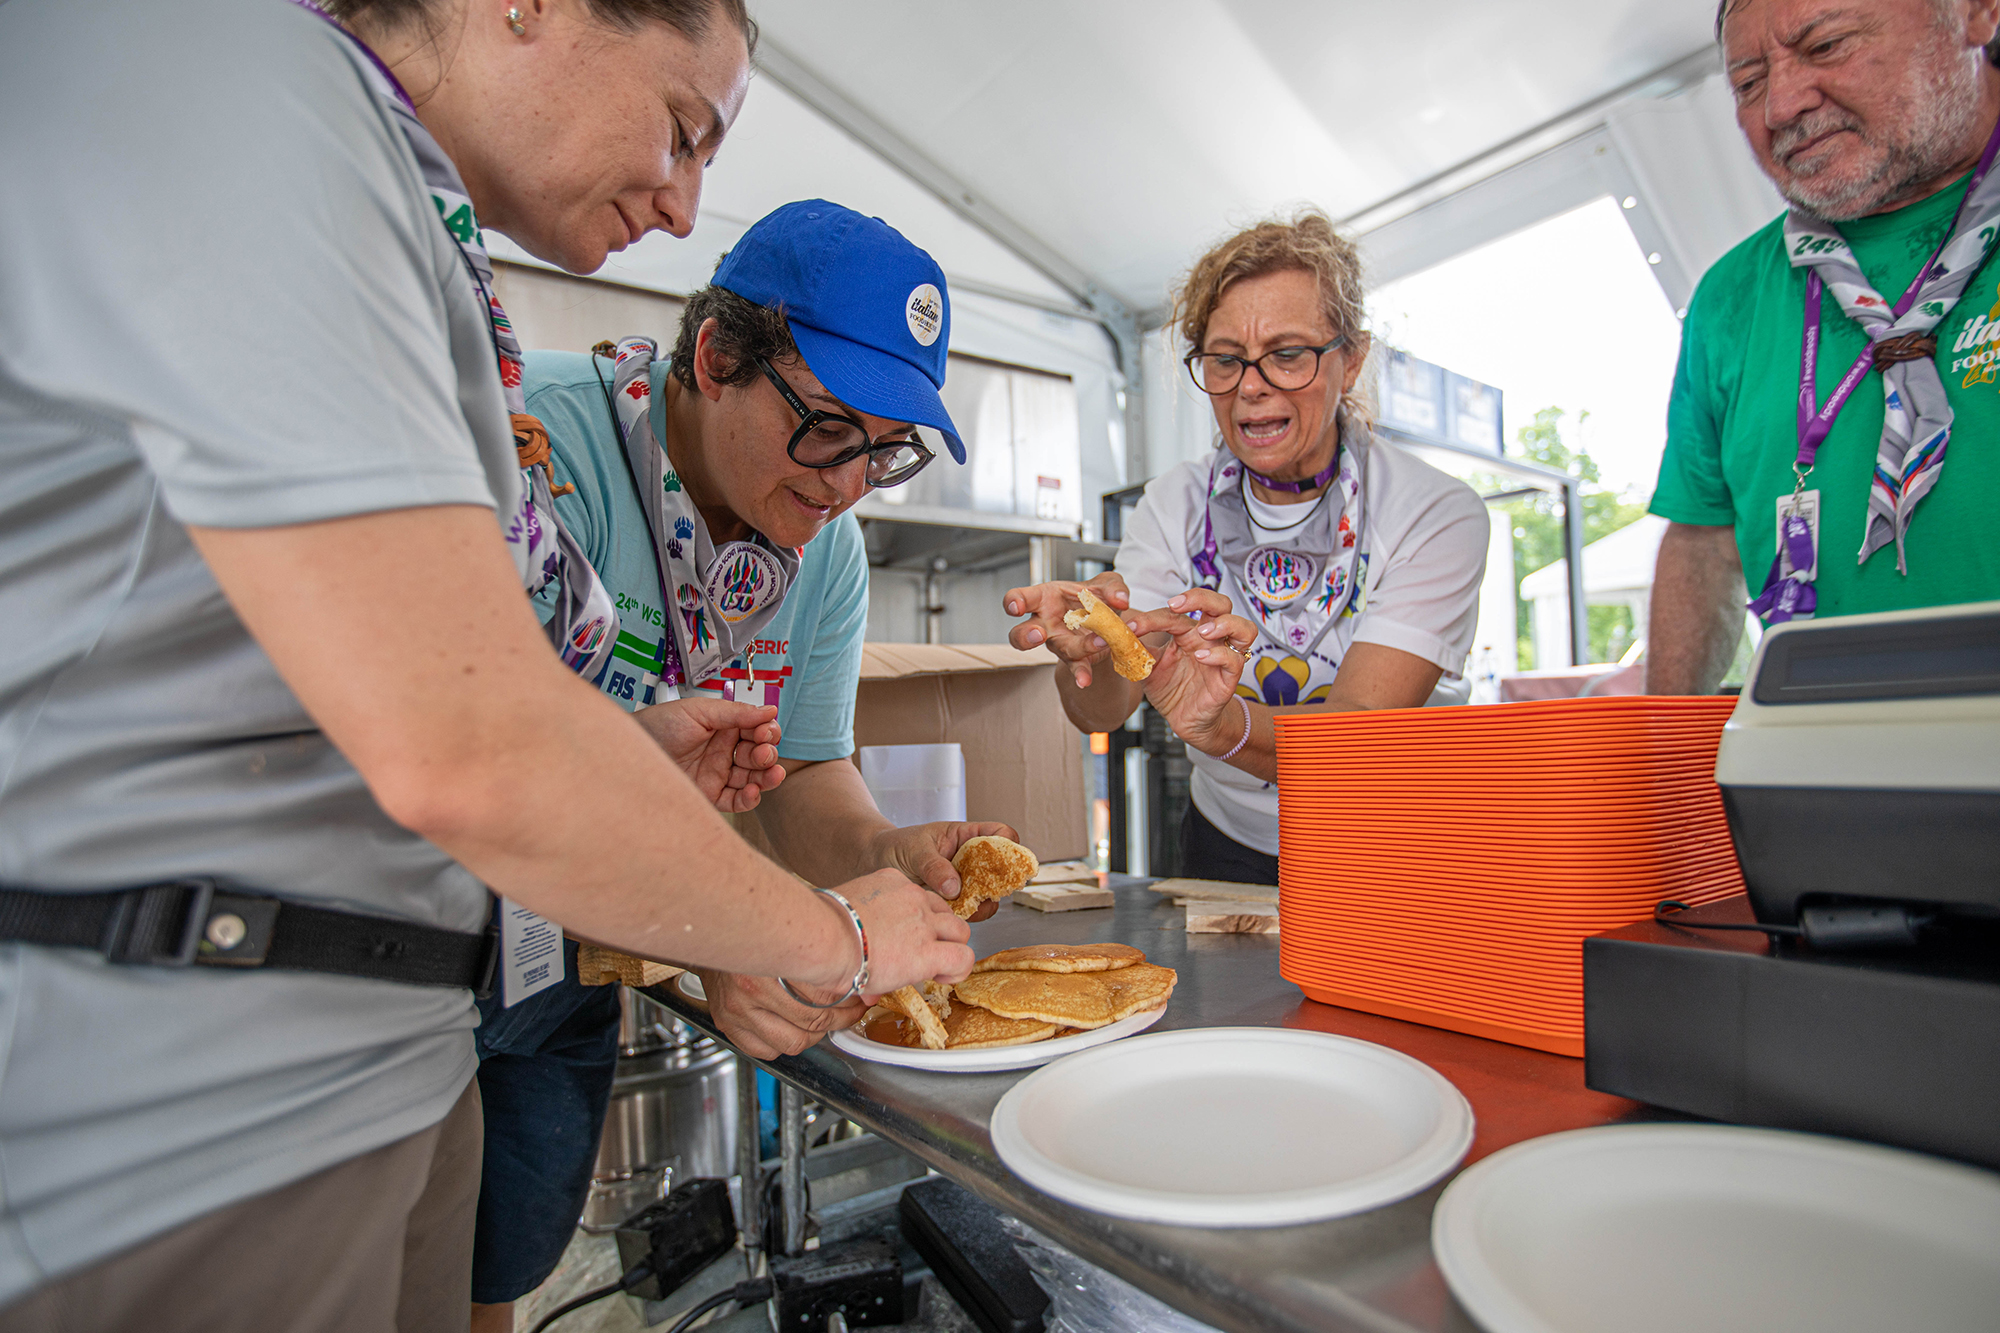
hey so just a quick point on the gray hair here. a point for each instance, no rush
(1946, 9)
(691, 18)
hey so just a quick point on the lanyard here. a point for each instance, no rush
(1816, 422)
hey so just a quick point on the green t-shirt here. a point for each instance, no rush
(1732, 425)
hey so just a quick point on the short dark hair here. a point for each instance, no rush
(690, 18)
(744, 331)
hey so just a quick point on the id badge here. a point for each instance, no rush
(1808, 507)
(531, 953)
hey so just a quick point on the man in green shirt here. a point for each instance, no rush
(1870, 120)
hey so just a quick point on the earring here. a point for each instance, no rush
(514, 22)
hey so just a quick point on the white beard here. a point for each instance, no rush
(1944, 95)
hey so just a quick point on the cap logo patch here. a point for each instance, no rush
(924, 312)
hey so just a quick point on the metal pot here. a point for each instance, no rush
(647, 1025)
(672, 1115)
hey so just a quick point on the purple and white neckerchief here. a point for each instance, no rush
(1917, 417)
(1295, 587)
(720, 599)
(584, 629)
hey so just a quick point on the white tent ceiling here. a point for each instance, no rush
(1123, 135)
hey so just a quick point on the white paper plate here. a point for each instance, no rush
(993, 1057)
(1233, 1127)
(1667, 1228)
(691, 987)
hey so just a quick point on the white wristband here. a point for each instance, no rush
(1236, 748)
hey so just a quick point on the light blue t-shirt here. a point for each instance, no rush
(808, 659)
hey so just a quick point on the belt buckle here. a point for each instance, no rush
(145, 918)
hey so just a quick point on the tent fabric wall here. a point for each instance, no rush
(1702, 186)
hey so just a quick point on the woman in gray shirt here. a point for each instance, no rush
(262, 627)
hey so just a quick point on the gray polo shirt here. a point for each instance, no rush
(225, 300)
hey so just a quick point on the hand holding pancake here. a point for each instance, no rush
(1047, 606)
(924, 852)
(1194, 686)
(913, 935)
(728, 750)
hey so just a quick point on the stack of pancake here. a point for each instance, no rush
(1025, 995)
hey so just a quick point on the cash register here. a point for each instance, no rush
(1855, 988)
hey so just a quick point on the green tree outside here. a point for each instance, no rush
(1538, 530)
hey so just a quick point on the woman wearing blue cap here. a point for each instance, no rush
(710, 496)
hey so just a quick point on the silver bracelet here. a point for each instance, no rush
(1234, 749)
(860, 974)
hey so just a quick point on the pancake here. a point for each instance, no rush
(1061, 958)
(1066, 999)
(990, 868)
(971, 1028)
(1133, 990)
(1129, 657)
(923, 1017)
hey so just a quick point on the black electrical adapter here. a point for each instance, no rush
(678, 1236)
(861, 1280)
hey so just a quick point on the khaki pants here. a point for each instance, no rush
(379, 1244)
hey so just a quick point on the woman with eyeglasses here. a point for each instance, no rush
(277, 721)
(1304, 564)
(711, 491)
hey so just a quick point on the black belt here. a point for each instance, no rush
(196, 922)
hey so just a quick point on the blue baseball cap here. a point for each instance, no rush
(869, 311)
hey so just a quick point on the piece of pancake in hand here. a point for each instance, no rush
(922, 1014)
(990, 868)
(1061, 958)
(1129, 657)
(1066, 999)
(1133, 990)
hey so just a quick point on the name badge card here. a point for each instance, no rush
(531, 953)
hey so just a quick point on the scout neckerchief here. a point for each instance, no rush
(584, 629)
(723, 598)
(1917, 417)
(1298, 582)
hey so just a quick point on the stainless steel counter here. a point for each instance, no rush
(1372, 1272)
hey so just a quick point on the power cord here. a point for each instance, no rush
(1668, 913)
(743, 1293)
(1834, 927)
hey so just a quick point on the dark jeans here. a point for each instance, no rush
(1209, 853)
(545, 1071)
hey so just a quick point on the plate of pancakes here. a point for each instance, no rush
(1019, 1008)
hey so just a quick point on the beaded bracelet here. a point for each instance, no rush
(1246, 729)
(861, 973)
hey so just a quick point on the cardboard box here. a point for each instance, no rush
(1023, 759)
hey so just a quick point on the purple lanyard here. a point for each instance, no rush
(394, 83)
(1816, 423)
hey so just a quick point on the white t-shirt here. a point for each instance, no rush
(1422, 556)
(225, 300)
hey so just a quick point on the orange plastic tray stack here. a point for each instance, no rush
(1445, 865)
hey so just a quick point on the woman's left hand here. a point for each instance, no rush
(1194, 683)
(727, 749)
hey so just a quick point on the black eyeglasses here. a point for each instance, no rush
(827, 439)
(1218, 373)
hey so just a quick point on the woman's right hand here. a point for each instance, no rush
(1045, 603)
(913, 935)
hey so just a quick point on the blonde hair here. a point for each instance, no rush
(1306, 241)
